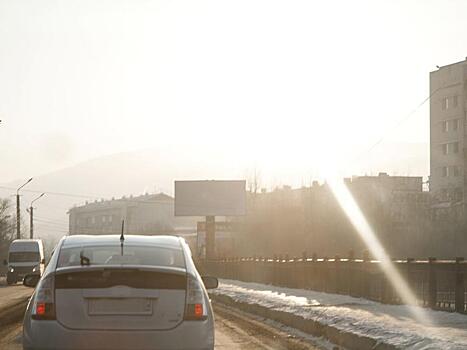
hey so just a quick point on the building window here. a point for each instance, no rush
(93, 220)
(110, 218)
(444, 126)
(449, 102)
(449, 171)
(450, 148)
(104, 218)
(445, 103)
(450, 125)
(445, 171)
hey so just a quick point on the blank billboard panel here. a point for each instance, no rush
(210, 198)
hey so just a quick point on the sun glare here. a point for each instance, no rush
(358, 220)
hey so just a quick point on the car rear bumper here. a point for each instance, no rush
(50, 335)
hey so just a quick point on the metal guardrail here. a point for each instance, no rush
(437, 284)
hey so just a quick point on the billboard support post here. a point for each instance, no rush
(210, 198)
(210, 237)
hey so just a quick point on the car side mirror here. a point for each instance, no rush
(210, 282)
(31, 280)
(5, 262)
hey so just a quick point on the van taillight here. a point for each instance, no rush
(44, 300)
(195, 308)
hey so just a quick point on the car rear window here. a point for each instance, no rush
(24, 257)
(115, 255)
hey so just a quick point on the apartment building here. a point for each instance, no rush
(148, 214)
(448, 86)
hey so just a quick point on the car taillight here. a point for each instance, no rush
(44, 306)
(195, 304)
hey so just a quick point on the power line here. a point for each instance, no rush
(45, 224)
(83, 196)
(50, 219)
(390, 130)
(56, 193)
(52, 222)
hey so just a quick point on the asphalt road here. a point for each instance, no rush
(231, 334)
(234, 330)
(11, 294)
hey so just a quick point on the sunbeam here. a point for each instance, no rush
(358, 220)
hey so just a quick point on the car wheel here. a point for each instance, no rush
(10, 279)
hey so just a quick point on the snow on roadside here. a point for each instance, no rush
(391, 324)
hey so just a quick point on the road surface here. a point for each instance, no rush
(234, 330)
(12, 294)
(229, 335)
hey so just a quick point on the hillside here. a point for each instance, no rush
(154, 171)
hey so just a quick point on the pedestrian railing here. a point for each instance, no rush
(437, 284)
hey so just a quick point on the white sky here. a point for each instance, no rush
(283, 84)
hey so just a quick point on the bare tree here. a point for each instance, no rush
(253, 180)
(7, 228)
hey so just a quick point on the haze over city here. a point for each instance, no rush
(242, 175)
(282, 89)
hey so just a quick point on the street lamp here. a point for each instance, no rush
(31, 213)
(18, 212)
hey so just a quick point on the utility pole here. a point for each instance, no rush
(18, 218)
(31, 215)
(31, 222)
(210, 237)
(18, 211)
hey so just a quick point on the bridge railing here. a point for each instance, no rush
(437, 284)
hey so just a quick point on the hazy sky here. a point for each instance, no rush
(275, 84)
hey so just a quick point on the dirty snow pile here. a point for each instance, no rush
(390, 324)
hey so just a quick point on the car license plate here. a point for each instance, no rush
(119, 306)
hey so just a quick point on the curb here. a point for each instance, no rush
(341, 338)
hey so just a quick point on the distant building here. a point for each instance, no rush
(448, 86)
(310, 219)
(401, 198)
(147, 215)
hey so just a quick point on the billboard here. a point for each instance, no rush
(210, 198)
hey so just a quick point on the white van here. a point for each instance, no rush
(25, 256)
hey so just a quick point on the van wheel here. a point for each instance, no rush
(10, 279)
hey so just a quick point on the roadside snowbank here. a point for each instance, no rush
(388, 324)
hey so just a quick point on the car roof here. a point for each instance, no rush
(27, 241)
(93, 240)
(27, 245)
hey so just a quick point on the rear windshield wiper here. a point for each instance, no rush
(84, 260)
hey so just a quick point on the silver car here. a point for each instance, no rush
(115, 292)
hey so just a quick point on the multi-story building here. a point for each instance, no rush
(399, 199)
(311, 219)
(448, 87)
(147, 214)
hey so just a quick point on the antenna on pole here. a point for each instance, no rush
(122, 237)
